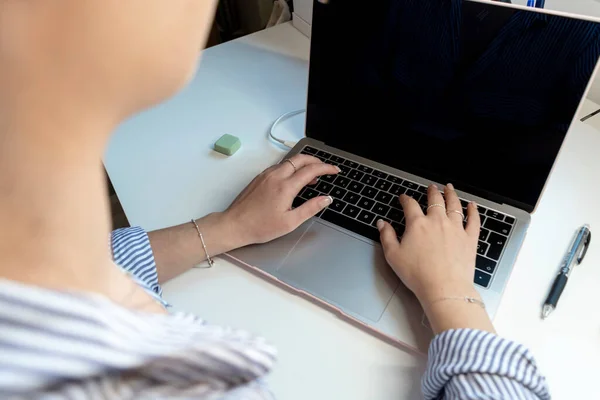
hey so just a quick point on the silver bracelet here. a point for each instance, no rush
(471, 300)
(211, 262)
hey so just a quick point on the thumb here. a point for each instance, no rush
(310, 208)
(389, 240)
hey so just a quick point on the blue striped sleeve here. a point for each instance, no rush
(472, 364)
(132, 252)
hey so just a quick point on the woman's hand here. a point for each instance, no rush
(262, 212)
(436, 259)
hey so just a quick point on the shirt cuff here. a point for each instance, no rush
(473, 364)
(132, 252)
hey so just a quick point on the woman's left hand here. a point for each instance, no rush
(263, 211)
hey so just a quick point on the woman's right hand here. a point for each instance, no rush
(436, 259)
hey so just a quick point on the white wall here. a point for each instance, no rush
(303, 10)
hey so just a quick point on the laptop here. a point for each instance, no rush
(403, 94)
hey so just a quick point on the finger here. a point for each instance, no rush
(298, 161)
(435, 201)
(388, 237)
(310, 172)
(473, 221)
(411, 208)
(309, 209)
(453, 205)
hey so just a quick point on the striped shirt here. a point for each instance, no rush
(65, 345)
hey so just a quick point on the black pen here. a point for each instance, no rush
(574, 256)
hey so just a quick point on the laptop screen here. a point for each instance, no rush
(477, 94)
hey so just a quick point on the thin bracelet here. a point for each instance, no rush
(211, 263)
(467, 299)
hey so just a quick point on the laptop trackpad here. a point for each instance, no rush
(341, 269)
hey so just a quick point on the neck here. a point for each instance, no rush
(54, 211)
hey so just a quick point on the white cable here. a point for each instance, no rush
(286, 143)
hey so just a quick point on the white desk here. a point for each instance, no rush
(164, 173)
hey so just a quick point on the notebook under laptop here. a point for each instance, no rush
(406, 93)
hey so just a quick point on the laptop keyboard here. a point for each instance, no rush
(362, 195)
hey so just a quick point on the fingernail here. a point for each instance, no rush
(326, 201)
(338, 168)
(380, 224)
(450, 186)
(474, 204)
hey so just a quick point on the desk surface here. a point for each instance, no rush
(164, 172)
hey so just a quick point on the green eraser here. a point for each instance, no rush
(228, 145)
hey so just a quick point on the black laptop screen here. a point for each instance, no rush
(476, 94)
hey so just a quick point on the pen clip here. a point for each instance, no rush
(586, 245)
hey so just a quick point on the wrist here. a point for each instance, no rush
(457, 313)
(220, 233)
(434, 292)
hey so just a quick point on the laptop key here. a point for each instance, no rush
(356, 175)
(482, 248)
(324, 187)
(485, 264)
(369, 180)
(337, 205)
(414, 194)
(384, 197)
(381, 209)
(327, 178)
(394, 179)
(351, 224)
(344, 170)
(380, 174)
(320, 158)
(337, 159)
(482, 279)
(410, 185)
(337, 192)
(355, 187)
(396, 202)
(298, 201)
(497, 226)
(366, 203)
(483, 234)
(422, 189)
(350, 164)
(397, 190)
(377, 218)
(395, 215)
(309, 193)
(399, 228)
(369, 192)
(341, 181)
(383, 184)
(309, 150)
(497, 243)
(495, 214)
(365, 169)
(366, 216)
(509, 220)
(351, 211)
(352, 198)
(323, 154)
